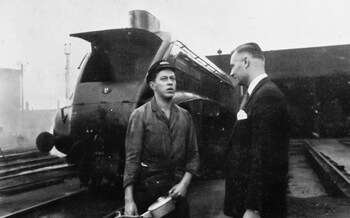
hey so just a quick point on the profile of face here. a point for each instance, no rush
(239, 65)
(164, 85)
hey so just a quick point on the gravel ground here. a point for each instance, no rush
(306, 198)
(206, 200)
(318, 207)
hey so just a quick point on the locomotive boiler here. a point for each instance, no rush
(91, 131)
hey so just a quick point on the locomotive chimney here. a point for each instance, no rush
(144, 20)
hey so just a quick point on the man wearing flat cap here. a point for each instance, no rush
(161, 151)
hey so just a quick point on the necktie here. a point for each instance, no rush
(244, 100)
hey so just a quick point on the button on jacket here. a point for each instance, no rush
(159, 143)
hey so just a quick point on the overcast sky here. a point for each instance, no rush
(34, 32)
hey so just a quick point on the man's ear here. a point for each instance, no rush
(152, 85)
(246, 62)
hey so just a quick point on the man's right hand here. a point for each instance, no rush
(130, 208)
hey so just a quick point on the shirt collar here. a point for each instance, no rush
(174, 113)
(156, 108)
(255, 82)
(154, 105)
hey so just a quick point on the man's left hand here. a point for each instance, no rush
(251, 214)
(178, 190)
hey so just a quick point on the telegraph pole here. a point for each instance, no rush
(21, 91)
(20, 130)
(67, 52)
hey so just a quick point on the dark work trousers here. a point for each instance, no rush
(143, 200)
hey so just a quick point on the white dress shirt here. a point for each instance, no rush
(255, 82)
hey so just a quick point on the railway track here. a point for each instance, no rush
(345, 141)
(37, 207)
(33, 184)
(80, 203)
(28, 169)
(333, 177)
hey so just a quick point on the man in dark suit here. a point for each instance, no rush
(257, 157)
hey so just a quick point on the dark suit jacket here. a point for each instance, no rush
(257, 156)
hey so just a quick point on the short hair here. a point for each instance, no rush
(156, 68)
(251, 48)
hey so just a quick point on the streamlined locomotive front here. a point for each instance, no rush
(92, 130)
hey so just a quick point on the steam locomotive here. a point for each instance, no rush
(91, 131)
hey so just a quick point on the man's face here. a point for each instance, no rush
(164, 84)
(238, 71)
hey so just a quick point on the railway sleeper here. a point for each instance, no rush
(24, 168)
(38, 171)
(31, 185)
(23, 155)
(18, 163)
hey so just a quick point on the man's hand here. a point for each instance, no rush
(251, 214)
(130, 208)
(180, 189)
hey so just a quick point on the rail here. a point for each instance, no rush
(42, 204)
(336, 183)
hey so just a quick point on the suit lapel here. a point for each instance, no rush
(257, 87)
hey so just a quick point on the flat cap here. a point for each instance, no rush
(158, 66)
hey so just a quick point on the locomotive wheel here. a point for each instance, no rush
(45, 142)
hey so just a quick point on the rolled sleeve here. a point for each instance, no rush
(192, 159)
(133, 147)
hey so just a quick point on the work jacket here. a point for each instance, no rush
(156, 144)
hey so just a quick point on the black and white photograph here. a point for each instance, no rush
(174, 109)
